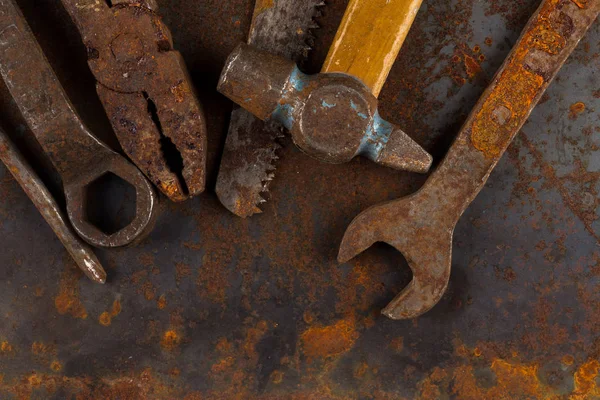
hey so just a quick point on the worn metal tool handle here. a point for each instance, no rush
(79, 157)
(421, 226)
(369, 39)
(44, 201)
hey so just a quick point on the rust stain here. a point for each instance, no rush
(511, 100)
(581, 3)
(488, 41)
(56, 366)
(213, 280)
(161, 303)
(397, 344)
(67, 301)
(472, 66)
(116, 308)
(105, 319)
(223, 365)
(182, 271)
(170, 340)
(329, 341)
(576, 110)
(277, 377)
(41, 349)
(585, 380)
(5, 347)
(568, 359)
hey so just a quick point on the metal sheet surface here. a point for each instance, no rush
(211, 306)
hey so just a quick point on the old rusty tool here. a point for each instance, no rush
(333, 116)
(421, 225)
(146, 91)
(44, 201)
(281, 27)
(79, 157)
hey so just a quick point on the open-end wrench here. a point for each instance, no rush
(42, 199)
(79, 157)
(421, 225)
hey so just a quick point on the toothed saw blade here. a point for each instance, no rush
(282, 27)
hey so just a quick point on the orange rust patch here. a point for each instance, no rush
(223, 345)
(105, 319)
(40, 349)
(170, 340)
(182, 271)
(222, 365)
(213, 279)
(34, 380)
(397, 344)
(585, 380)
(149, 290)
(161, 303)
(576, 110)
(512, 98)
(360, 370)
(329, 341)
(277, 377)
(471, 66)
(116, 308)
(180, 91)
(308, 317)
(568, 359)
(5, 347)
(488, 41)
(580, 3)
(55, 366)
(67, 301)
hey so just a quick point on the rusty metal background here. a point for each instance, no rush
(211, 306)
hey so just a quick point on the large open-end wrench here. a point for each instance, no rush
(79, 157)
(421, 225)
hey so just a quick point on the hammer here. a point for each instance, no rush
(332, 116)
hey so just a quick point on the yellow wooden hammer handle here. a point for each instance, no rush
(369, 39)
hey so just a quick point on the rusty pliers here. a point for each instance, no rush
(146, 92)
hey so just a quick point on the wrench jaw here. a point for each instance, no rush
(146, 203)
(425, 243)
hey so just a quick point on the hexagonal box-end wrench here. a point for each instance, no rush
(146, 92)
(79, 157)
(421, 225)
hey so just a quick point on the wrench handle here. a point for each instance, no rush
(369, 39)
(39, 95)
(551, 35)
(46, 204)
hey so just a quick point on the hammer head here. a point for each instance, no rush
(422, 234)
(332, 117)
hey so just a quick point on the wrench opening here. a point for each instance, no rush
(110, 203)
(422, 235)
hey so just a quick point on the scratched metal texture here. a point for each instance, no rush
(211, 306)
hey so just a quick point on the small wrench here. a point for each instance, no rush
(421, 226)
(42, 199)
(78, 156)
